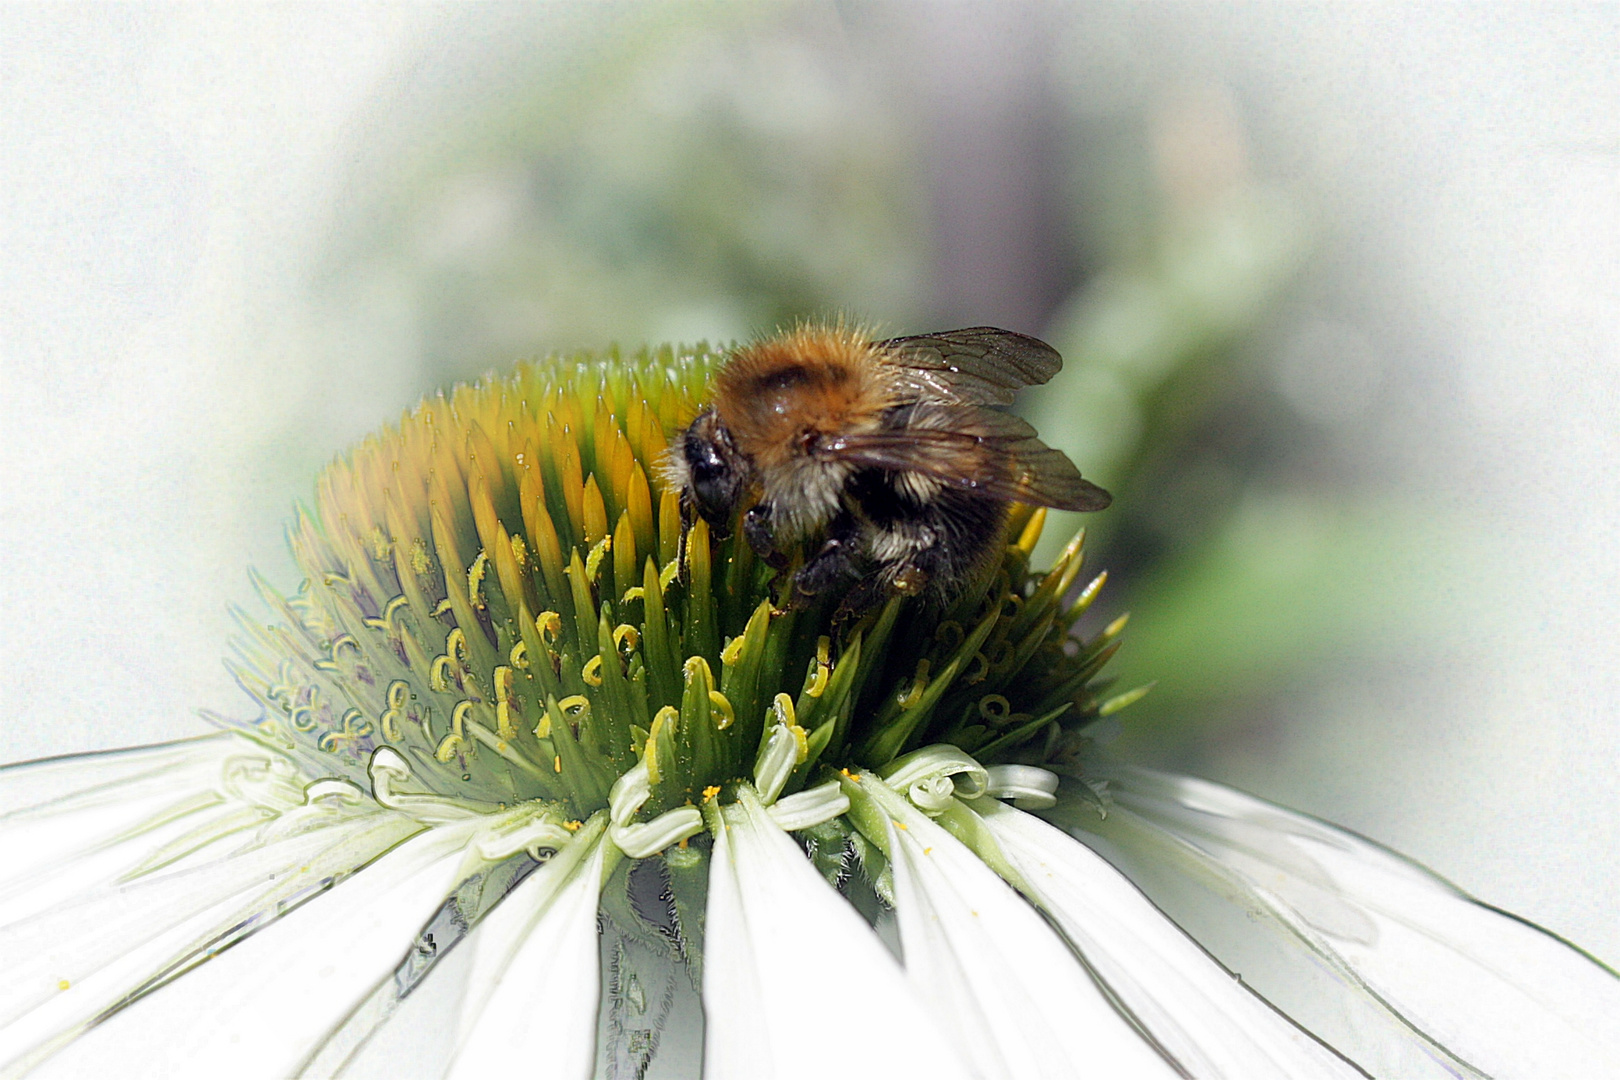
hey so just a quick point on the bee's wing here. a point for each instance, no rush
(979, 365)
(976, 449)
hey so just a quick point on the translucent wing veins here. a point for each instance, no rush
(978, 365)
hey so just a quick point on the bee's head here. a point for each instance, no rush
(714, 473)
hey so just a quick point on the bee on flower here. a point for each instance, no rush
(544, 781)
(887, 453)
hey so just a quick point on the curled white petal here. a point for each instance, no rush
(1026, 786)
(776, 761)
(932, 794)
(783, 949)
(340, 790)
(1204, 1017)
(809, 807)
(261, 780)
(389, 768)
(1497, 994)
(1011, 996)
(628, 793)
(530, 826)
(650, 837)
(941, 760)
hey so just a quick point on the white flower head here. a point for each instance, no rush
(544, 783)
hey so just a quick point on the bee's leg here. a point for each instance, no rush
(688, 518)
(834, 561)
(909, 579)
(756, 527)
(957, 541)
(905, 578)
(867, 594)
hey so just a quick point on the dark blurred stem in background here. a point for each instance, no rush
(994, 156)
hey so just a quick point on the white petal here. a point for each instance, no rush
(31, 784)
(534, 984)
(259, 1008)
(644, 838)
(1008, 990)
(1501, 995)
(1201, 1014)
(91, 817)
(56, 875)
(795, 984)
(67, 965)
(137, 860)
(1028, 787)
(776, 761)
(809, 807)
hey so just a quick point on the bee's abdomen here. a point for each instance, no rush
(948, 533)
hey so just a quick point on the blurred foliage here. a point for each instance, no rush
(697, 172)
(678, 173)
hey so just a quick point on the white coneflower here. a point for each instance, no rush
(543, 786)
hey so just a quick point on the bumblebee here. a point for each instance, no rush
(895, 454)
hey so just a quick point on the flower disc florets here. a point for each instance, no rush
(500, 589)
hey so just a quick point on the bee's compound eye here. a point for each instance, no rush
(714, 479)
(712, 493)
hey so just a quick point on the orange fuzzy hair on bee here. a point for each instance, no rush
(815, 380)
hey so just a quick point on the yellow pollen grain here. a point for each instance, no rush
(900, 825)
(573, 826)
(710, 792)
(556, 763)
(63, 984)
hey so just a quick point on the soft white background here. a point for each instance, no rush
(165, 174)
